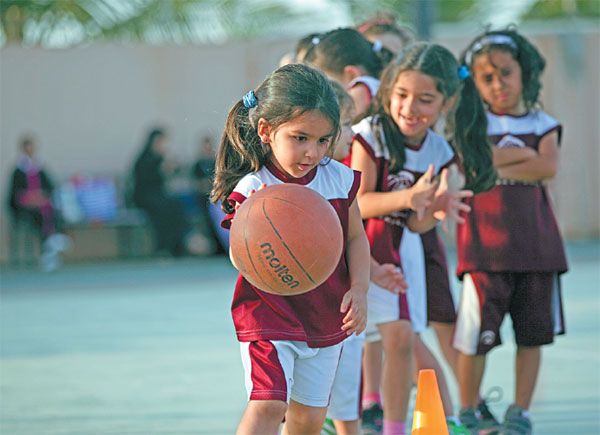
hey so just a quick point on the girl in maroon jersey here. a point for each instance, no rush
(282, 132)
(510, 251)
(396, 151)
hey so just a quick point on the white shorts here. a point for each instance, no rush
(280, 370)
(345, 395)
(413, 266)
(383, 307)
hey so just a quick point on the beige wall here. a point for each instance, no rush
(90, 106)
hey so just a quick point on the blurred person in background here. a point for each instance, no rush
(383, 27)
(173, 231)
(202, 173)
(30, 198)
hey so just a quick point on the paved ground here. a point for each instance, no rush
(148, 348)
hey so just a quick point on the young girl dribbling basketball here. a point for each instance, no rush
(398, 154)
(281, 133)
(510, 252)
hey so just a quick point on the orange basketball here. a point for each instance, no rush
(286, 239)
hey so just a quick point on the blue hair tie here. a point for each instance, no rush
(250, 100)
(463, 72)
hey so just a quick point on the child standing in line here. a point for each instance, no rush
(347, 57)
(343, 414)
(384, 28)
(281, 133)
(396, 151)
(510, 251)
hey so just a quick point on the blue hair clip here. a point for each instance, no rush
(250, 100)
(463, 72)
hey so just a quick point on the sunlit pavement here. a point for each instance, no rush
(148, 347)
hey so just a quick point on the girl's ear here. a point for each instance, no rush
(351, 72)
(448, 104)
(264, 130)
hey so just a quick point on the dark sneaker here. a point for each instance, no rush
(487, 421)
(469, 419)
(515, 423)
(372, 420)
(328, 427)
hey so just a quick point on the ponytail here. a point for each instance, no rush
(469, 127)
(241, 152)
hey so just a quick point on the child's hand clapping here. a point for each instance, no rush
(422, 192)
(389, 277)
(447, 204)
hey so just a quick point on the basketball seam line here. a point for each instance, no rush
(285, 245)
(250, 256)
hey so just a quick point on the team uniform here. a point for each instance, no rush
(291, 345)
(370, 83)
(423, 259)
(510, 251)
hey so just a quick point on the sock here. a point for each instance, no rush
(454, 419)
(369, 399)
(394, 427)
(525, 414)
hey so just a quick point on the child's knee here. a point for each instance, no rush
(398, 338)
(270, 410)
(309, 418)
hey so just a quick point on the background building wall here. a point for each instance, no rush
(90, 107)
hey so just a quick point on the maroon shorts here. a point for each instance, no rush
(533, 301)
(440, 305)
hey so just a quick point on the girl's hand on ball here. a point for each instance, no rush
(354, 304)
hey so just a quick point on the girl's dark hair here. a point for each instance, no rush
(285, 94)
(305, 44)
(342, 47)
(467, 123)
(529, 58)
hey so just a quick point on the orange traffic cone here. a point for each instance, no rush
(429, 418)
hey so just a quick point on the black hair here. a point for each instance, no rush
(305, 44)
(529, 58)
(285, 94)
(467, 122)
(342, 47)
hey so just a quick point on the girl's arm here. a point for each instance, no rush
(373, 204)
(511, 155)
(358, 256)
(541, 167)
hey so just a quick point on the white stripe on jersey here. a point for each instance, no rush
(434, 150)
(333, 180)
(468, 321)
(535, 122)
(370, 82)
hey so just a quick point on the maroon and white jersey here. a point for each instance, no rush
(313, 317)
(512, 227)
(385, 232)
(371, 83)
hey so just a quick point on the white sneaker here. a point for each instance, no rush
(57, 243)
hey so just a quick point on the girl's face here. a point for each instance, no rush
(498, 78)
(415, 104)
(342, 146)
(297, 146)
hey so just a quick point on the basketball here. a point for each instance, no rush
(286, 239)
